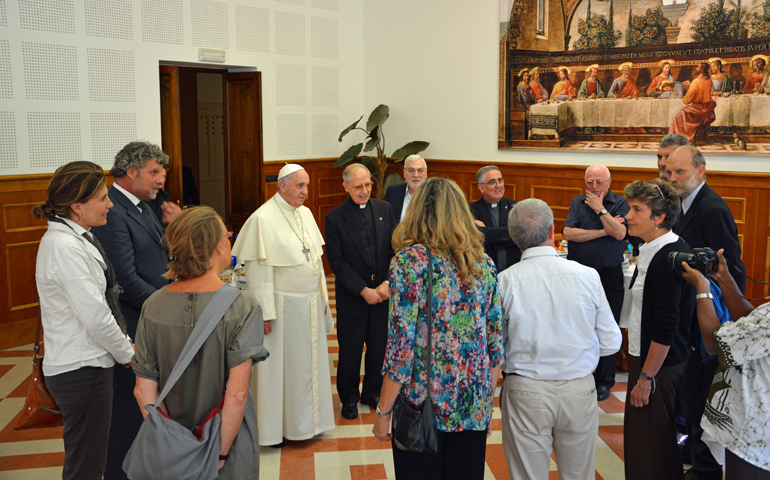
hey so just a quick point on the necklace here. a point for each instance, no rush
(305, 250)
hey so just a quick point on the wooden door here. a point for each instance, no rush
(243, 146)
(171, 128)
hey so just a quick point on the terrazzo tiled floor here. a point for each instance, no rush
(348, 452)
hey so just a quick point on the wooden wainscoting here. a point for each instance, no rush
(747, 195)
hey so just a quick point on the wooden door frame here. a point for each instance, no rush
(236, 219)
(171, 131)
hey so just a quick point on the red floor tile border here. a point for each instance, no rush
(368, 472)
(41, 460)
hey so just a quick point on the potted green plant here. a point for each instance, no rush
(377, 161)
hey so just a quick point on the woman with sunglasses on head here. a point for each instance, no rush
(658, 334)
(85, 333)
(466, 338)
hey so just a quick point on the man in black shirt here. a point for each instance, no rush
(358, 247)
(596, 239)
(491, 214)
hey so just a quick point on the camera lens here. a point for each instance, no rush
(675, 260)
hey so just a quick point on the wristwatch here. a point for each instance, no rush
(704, 295)
(380, 413)
(644, 376)
(603, 212)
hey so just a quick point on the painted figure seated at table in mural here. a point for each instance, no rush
(564, 85)
(541, 94)
(526, 94)
(694, 119)
(759, 81)
(671, 89)
(720, 82)
(624, 86)
(591, 86)
(665, 74)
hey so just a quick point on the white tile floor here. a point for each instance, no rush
(348, 452)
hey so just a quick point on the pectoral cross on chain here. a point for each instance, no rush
(306, 251)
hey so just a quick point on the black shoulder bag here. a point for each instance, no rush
(416, 429)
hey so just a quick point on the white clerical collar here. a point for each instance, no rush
(691, 198)
(491, 205)
(362, 206)
(285, 202)
(128, 195)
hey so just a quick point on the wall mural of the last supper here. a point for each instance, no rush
(618, 75)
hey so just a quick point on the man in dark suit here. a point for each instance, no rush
(491, 214)
(706, 221)
(358, 247)
(399, 196)
(133, 241)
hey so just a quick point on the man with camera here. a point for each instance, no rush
(706, 221)
(738, 410)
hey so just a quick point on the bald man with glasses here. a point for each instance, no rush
(596, 238)
(491, 214)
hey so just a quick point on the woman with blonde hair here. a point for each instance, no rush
(200, 249)
(466, 334)
(84, 331)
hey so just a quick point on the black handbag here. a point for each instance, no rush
(416, 429)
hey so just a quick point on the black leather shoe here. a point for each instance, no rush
(602, 393)
(372, 402)
(350, 411)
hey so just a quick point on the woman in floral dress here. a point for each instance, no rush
(467, 350)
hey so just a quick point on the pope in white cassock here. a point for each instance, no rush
(281, 247)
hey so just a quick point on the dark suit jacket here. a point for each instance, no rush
(496, 238)
(668, 304)
(710, 223)
(156, 204)
(347, 256)
(395, 195)
(135, 249)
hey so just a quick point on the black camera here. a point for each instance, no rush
(702, 259)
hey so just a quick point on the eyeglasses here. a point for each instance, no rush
(357, 188)
(659, 190)
(412, 171)
(229, 235)
(598, 183)
(494, 181)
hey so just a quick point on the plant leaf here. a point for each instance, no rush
(373, 139)
(349, 155)
(351, 127)
(409, 149)
(369, 163)
(377, 117)
(393, 179)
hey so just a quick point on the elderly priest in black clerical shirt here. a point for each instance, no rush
(491, 214)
